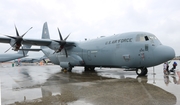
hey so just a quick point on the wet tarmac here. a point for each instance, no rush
(47, 85)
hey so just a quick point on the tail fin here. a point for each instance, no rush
(24, 52)
(45, 31)
(45, 35)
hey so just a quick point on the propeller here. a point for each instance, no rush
(18, 39)
(62, 43)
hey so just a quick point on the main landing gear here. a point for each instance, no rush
(69, 69)
(141, 71)
(89, 68)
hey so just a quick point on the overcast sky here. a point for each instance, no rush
(92, 18)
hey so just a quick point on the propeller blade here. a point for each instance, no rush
(17, 34)
(54, 52)
(62, 43)
(67, 37)
(60, 34)
(10, 36)
(10, 48)
(66, 52)
(26, 32)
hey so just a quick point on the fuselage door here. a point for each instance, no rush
(141, 55)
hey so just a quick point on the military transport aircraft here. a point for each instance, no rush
(19, 54)
(137, 50)
(30, 60)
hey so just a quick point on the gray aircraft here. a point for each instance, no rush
(30, 60)
(19, 54)
(138, 50)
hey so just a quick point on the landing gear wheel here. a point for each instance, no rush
(69, 69)
(141, 71)
(63, 69)
(87, 68)
(146, 71)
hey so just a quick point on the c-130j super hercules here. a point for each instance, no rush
(137, 50)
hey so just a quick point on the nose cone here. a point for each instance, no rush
(163, 53)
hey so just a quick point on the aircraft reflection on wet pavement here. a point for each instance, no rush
(124, 91)
(35, 85)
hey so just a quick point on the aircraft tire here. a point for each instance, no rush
(141, 71)
(69, 69)
(146, 71)
(63, 69)
(87, 68)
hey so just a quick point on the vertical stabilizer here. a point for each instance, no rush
(45, 31)
(45, 35)
(24, 52)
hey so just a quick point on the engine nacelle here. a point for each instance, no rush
(54, 45)
(73, 60)
(65, 64)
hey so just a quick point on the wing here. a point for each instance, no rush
(38, 42)
(48, 42)
(5, 40)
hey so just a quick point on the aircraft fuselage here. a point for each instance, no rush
(128, 50)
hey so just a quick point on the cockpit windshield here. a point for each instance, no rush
(152, 37)
(146, 37)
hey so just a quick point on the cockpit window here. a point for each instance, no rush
(145, 37)
(141, 38)
(152, 37)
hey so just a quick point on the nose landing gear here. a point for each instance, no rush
(141, 71)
